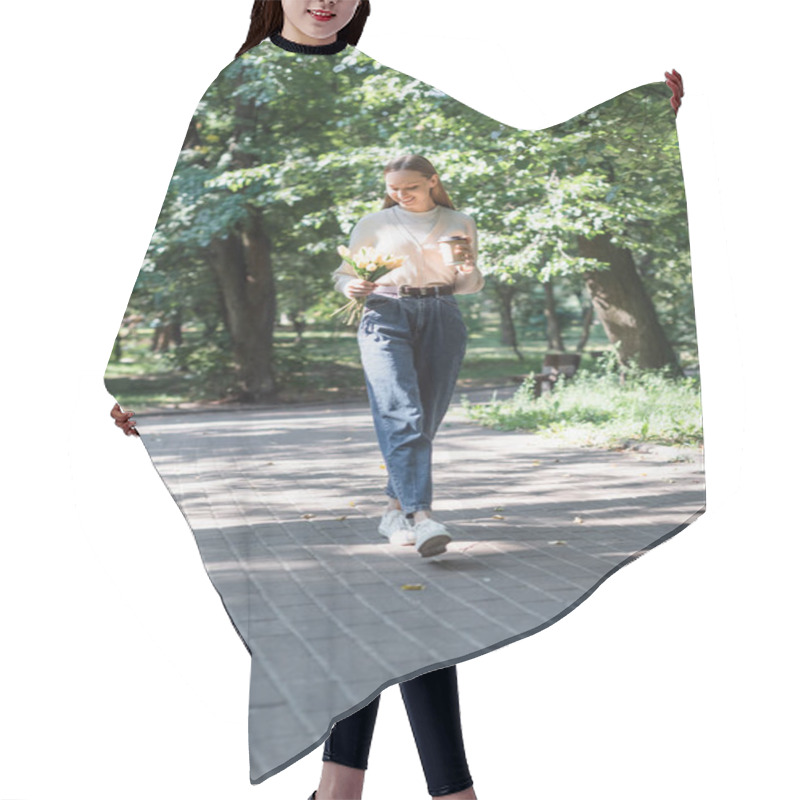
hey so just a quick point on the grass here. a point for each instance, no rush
(594, 408)
(598, 409)
(322, 365)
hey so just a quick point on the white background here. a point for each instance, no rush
(121, 676)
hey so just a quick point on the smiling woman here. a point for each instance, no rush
(316, 21)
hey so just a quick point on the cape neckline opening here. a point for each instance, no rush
(295, 47)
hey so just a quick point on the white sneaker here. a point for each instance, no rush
(396, 528)
(431, 537)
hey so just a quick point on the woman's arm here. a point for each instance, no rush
(345, 279)
(469, 278)
(343, 276)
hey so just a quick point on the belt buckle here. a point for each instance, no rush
(403, 290)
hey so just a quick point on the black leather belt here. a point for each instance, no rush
(414, 291)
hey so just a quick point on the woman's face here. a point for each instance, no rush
(411, 189)
(315, 22)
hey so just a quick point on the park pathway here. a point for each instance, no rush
(284, 503)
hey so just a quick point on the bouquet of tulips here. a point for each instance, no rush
(369, 265)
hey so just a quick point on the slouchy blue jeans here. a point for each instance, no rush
(411, 351)
(431, 702)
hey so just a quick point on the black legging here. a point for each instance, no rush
(432, 706)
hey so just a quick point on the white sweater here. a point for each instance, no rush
(387, 231)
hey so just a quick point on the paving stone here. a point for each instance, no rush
(320, 601)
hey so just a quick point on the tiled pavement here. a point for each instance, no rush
(284, 503)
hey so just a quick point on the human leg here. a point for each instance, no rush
(438, 355)
(346, 754)
(394, 523)
(386, 340)
(434, 714)
(339, 782)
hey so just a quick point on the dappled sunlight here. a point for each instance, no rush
(264, 565)
(285, 507)
(487, 547)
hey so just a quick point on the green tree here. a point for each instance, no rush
(282, 158)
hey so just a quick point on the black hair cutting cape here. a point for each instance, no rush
(251, 400)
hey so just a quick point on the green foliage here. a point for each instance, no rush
(603, 407)
(208, 369)
(304, 148)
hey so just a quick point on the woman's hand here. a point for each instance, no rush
(675, 82)
(123, 419)
(359, 288)
(468, 265)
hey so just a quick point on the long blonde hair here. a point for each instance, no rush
(417, 164)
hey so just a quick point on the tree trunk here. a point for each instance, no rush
(554, 340)
(166, 334)
(299, 324)
(586, 329)
(242, 263)
(624, 307)
(243, 266)
(504, 292)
